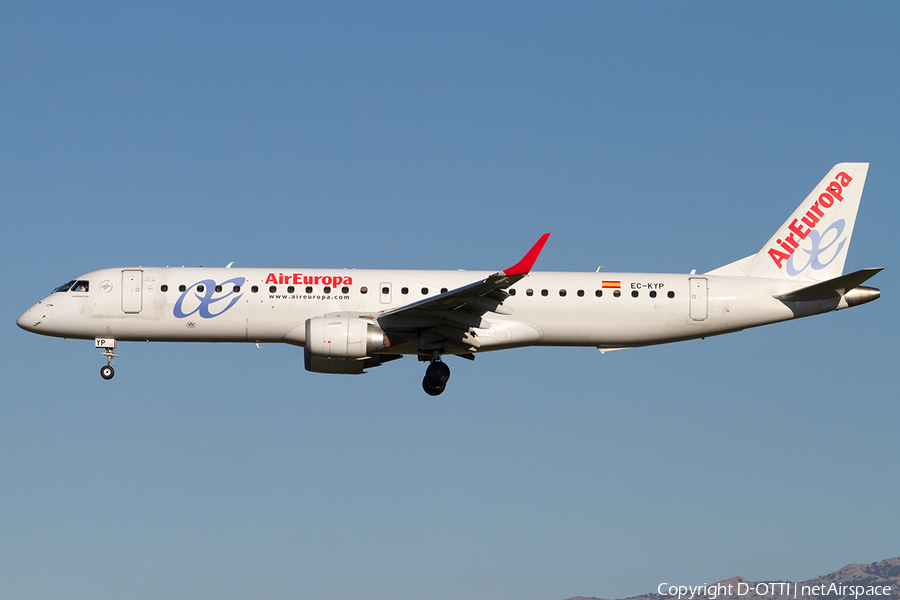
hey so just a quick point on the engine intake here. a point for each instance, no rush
(341, 344)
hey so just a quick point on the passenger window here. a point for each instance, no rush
(598, 293)
(617, 293)
(254, 289)
(200, 288)
(309, 289)
(363, 290)
(529, 292)
(218, 288)
(345, 290)
(327, 289)
(512, 291)
(290, 289)
(385, 290)
(562, 292)
(236, 289)
(580, 293)
(443, 290)
(671, 294)
(164, 288)
(424, 291)
(404, 291)
(272, 289)
(634, 293)
(182, 288)
(653, 293)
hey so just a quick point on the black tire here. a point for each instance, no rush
(438, 373)
(432, 389)
(107, 372)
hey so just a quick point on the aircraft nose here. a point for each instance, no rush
(30, 319)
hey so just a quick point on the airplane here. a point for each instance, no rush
(350, 320)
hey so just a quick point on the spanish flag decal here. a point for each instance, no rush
(612, 284)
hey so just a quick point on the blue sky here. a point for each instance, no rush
(645, 136)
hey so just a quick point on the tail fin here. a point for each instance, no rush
(812, 244)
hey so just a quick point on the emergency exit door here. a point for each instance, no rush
(132, 282)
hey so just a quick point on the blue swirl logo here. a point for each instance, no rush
(817, 249)
(202, 294)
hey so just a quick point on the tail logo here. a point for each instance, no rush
(806, 227)
(817, 249)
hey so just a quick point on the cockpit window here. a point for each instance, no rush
(73, 286)
(64, 287)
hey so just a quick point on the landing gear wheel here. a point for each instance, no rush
(107, 372)
(432, 389)
(438, 373)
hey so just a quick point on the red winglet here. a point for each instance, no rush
(523, 267)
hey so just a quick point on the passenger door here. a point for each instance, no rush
(132, 284)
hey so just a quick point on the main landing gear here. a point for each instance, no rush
(108, 346)
(436, 376)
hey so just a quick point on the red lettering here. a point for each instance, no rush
(810, 220)
(836, 190)
(301, 279)
(778, 257)
(798, 229)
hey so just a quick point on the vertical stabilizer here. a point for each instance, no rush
(812, 244)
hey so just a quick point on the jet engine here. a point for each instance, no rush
(342, 344)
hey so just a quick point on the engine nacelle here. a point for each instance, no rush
(341, 344)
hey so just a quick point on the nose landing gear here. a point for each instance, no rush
(107, 372)
(436, 376)
(108, 346)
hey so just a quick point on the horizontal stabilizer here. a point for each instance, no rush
(825, 289)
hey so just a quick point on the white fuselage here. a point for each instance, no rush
(605, 310)
(348, 321)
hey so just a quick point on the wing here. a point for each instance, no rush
(452, 317)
